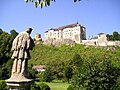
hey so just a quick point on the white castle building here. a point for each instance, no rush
(74, 32)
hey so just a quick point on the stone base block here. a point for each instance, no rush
(19, 82)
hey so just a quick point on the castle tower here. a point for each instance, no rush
(37, 36)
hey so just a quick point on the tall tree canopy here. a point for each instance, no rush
(42, 3)
(114, 37)
(13, 33)
(5, 54)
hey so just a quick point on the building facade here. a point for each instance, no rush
(75, 32)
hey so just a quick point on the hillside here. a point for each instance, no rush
(46, 55)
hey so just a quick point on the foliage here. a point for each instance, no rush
(117, 86)
(5, 70)
(42, 3)
(3, 85)
(5, 54)
(68, 73)
(5, 43)
(76, 61)
(99, 75)
(48, 75)
(57, 58)
(14, 33)
(114, 37)
(1, 31)
(32, 72)
(34, 86)
(70, 87)
(43, 86)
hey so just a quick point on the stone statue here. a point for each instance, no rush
(21, 45)
(20, 48)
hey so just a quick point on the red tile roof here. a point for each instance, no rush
(39, 67)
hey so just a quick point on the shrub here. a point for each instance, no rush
(48, 75)
(98, 76)
(39, 77)
(44, 86)
(70, 87)
(3, 85)
(34, 86)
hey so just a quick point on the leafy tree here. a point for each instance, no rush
(116, 36)
(68, 73)
(5, 43)
(98, 76)
(109, 37)
(43, 2)
(14, 33)
(6, 70)
(5, 55)
(32, 72)
(1, 31)
(48, 75)
(77, 61)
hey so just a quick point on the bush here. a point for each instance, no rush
(3, 85)
(70, 87)
(44, 86)
(117, 86)
(98, 76)
(39, 77)
(34, 87)
(48, 75)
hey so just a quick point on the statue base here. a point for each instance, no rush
(19, 82)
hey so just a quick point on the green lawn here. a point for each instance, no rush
(57, 86)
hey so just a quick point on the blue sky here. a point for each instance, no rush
(98, 16)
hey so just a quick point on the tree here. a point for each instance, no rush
(109, 37)
(14, 33)
(116, 36)
(99, 75)
(5, 54)
(68, 73)
(43, 2)
(1, 31)
(5, 43)
(48, 75)
(77, 61)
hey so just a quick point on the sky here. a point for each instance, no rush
(98, 16)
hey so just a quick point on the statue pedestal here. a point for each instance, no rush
(19, 82)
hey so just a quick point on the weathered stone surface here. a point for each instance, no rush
(19, 78)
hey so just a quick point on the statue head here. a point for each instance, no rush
(29, 30)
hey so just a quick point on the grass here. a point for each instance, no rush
(57, 85)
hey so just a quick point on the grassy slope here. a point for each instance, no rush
(42, 54)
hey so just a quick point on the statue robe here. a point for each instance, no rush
(20, 46)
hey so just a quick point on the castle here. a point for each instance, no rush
(75, 32)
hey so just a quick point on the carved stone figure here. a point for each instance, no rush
(20, 48)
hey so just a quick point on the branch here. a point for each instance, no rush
(42, 3)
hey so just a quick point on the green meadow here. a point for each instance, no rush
(57, 85)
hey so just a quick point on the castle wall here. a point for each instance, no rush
(75, 32)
